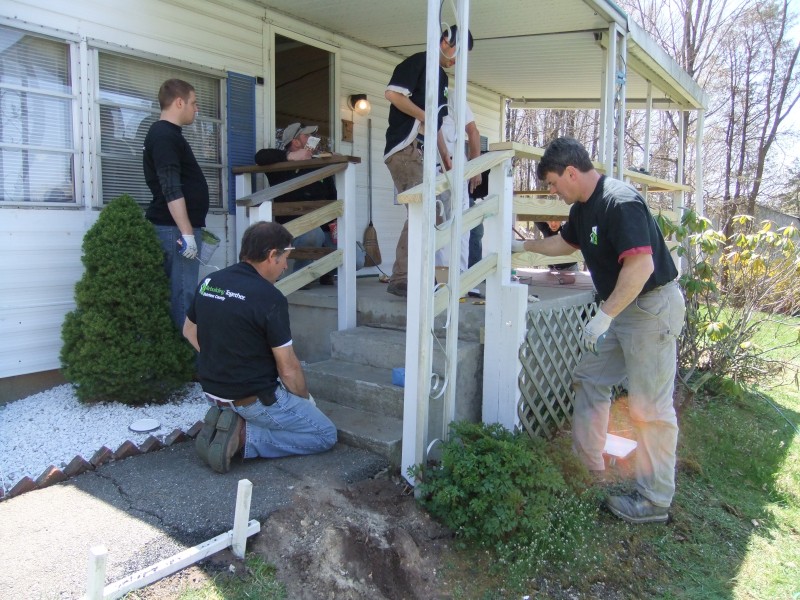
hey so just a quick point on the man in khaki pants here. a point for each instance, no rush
(405, 136)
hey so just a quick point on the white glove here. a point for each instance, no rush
(517, 246)
(187, 246)
(595, 330)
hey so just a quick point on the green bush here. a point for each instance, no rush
(120, 343)
(735, 287)
(492, 486)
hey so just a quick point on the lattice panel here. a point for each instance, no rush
(548, 356)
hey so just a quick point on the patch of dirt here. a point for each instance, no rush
(367, 541)
(370, 540)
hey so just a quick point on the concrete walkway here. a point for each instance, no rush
(145, 509)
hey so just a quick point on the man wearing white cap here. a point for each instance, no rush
(292, 145)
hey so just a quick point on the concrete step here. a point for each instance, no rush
(356, 385)
(380, 434)
(386, 348)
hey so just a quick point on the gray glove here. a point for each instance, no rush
(188, 246)
(518, 246)
(595, 330)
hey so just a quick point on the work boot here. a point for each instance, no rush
(635, 508)
(203, 439)
(398, 288)
(227, 441)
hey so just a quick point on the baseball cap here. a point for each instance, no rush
(292, 131)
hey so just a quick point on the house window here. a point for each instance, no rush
(37, 152)
(127, 106)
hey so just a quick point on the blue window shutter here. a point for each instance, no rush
(241, 128)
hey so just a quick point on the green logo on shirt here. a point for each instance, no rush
(593, 236)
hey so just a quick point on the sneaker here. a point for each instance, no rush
(474, 293)
(635, 508)
(398, 288)
(203, 439)
(327, 279)
(227, 441)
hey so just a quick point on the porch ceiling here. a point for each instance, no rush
(540, 53)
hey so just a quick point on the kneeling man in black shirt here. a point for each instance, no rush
(239, 323)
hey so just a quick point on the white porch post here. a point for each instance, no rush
(419, 308)
(648, 123)
(680, 176)
(506, 305)
(608, 107)
(620, 77)
(699, 201)
(346, 237)
(456, 203)
(244, 187)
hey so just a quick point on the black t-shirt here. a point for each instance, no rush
(614, 223)
(240, 317)
(409, 78)
(171, 172)
(319, 190)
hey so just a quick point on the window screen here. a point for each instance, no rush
(128, 105)
(37, 153)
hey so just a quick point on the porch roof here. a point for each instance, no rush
(547, 53)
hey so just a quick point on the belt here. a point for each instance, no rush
(224, 403)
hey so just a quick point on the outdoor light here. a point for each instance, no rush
(359, 103)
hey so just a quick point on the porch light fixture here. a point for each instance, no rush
(359, 103)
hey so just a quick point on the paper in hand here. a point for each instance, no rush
(312, 142)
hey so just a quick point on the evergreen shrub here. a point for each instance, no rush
(120, 343)
(494, 487)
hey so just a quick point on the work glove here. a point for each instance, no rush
(188, 246)
(517, 246)
(595, 330)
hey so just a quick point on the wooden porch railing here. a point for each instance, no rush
(252, 207)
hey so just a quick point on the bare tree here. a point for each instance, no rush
(742, 55)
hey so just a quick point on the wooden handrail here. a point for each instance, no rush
(291, 165)
(655, 184)
(474, 167)
(295, 183)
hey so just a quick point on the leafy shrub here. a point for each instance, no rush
(735, 287)
(492, 486)
(120, 343)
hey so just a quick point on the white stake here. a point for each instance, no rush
(98, 555)
(241, 517)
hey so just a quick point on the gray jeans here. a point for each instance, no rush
(641, 345)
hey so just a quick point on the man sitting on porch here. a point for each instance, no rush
(239, 323)
(292, 145)
(635, 330)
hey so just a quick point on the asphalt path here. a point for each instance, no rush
(144, 509)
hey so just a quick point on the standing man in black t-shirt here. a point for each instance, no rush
(635, 330)
(180, 192)
(239, 323)
(405, 135)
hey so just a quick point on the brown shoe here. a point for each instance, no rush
(398, 288)
(227, 441)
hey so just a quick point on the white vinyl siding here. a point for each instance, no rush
(128, 104)
(37, 153)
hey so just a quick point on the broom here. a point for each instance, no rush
(371, 248)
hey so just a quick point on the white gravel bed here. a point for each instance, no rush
(52, 427)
